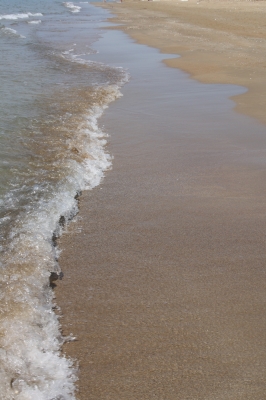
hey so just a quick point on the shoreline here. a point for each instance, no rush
(218, 41)
(164, 283)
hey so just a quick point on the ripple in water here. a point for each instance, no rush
(51, 150)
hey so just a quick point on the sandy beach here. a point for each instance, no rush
(218, 41)
(164, 267)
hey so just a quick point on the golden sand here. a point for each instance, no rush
(219, 41)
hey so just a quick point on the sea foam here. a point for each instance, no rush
(30, 337)
(72, 7)
(19, 16)
(36, 22)
(11, 32)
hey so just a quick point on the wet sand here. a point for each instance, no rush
(164, 269)
(220, 41)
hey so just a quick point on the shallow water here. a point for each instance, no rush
(51, 149)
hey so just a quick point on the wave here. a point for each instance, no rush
(19, 16)
(35, 22)
(72, 7)
(30, 337)
(11, 32)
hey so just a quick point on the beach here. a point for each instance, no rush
(164, 266)
(218, 41)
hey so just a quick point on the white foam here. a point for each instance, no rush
(35, 22)
(19, 16)
(11, 32)
(72, 7)
(30, 339)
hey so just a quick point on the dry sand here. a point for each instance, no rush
(164, 281)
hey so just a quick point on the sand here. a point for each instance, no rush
(219, 41)
(164, 268)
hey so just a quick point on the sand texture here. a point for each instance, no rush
(219, 41)
(164, 269)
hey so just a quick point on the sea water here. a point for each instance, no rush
(51, 149)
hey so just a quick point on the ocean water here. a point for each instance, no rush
(52, 148)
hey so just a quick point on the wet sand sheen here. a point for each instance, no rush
(219, 41)
(164, 281)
